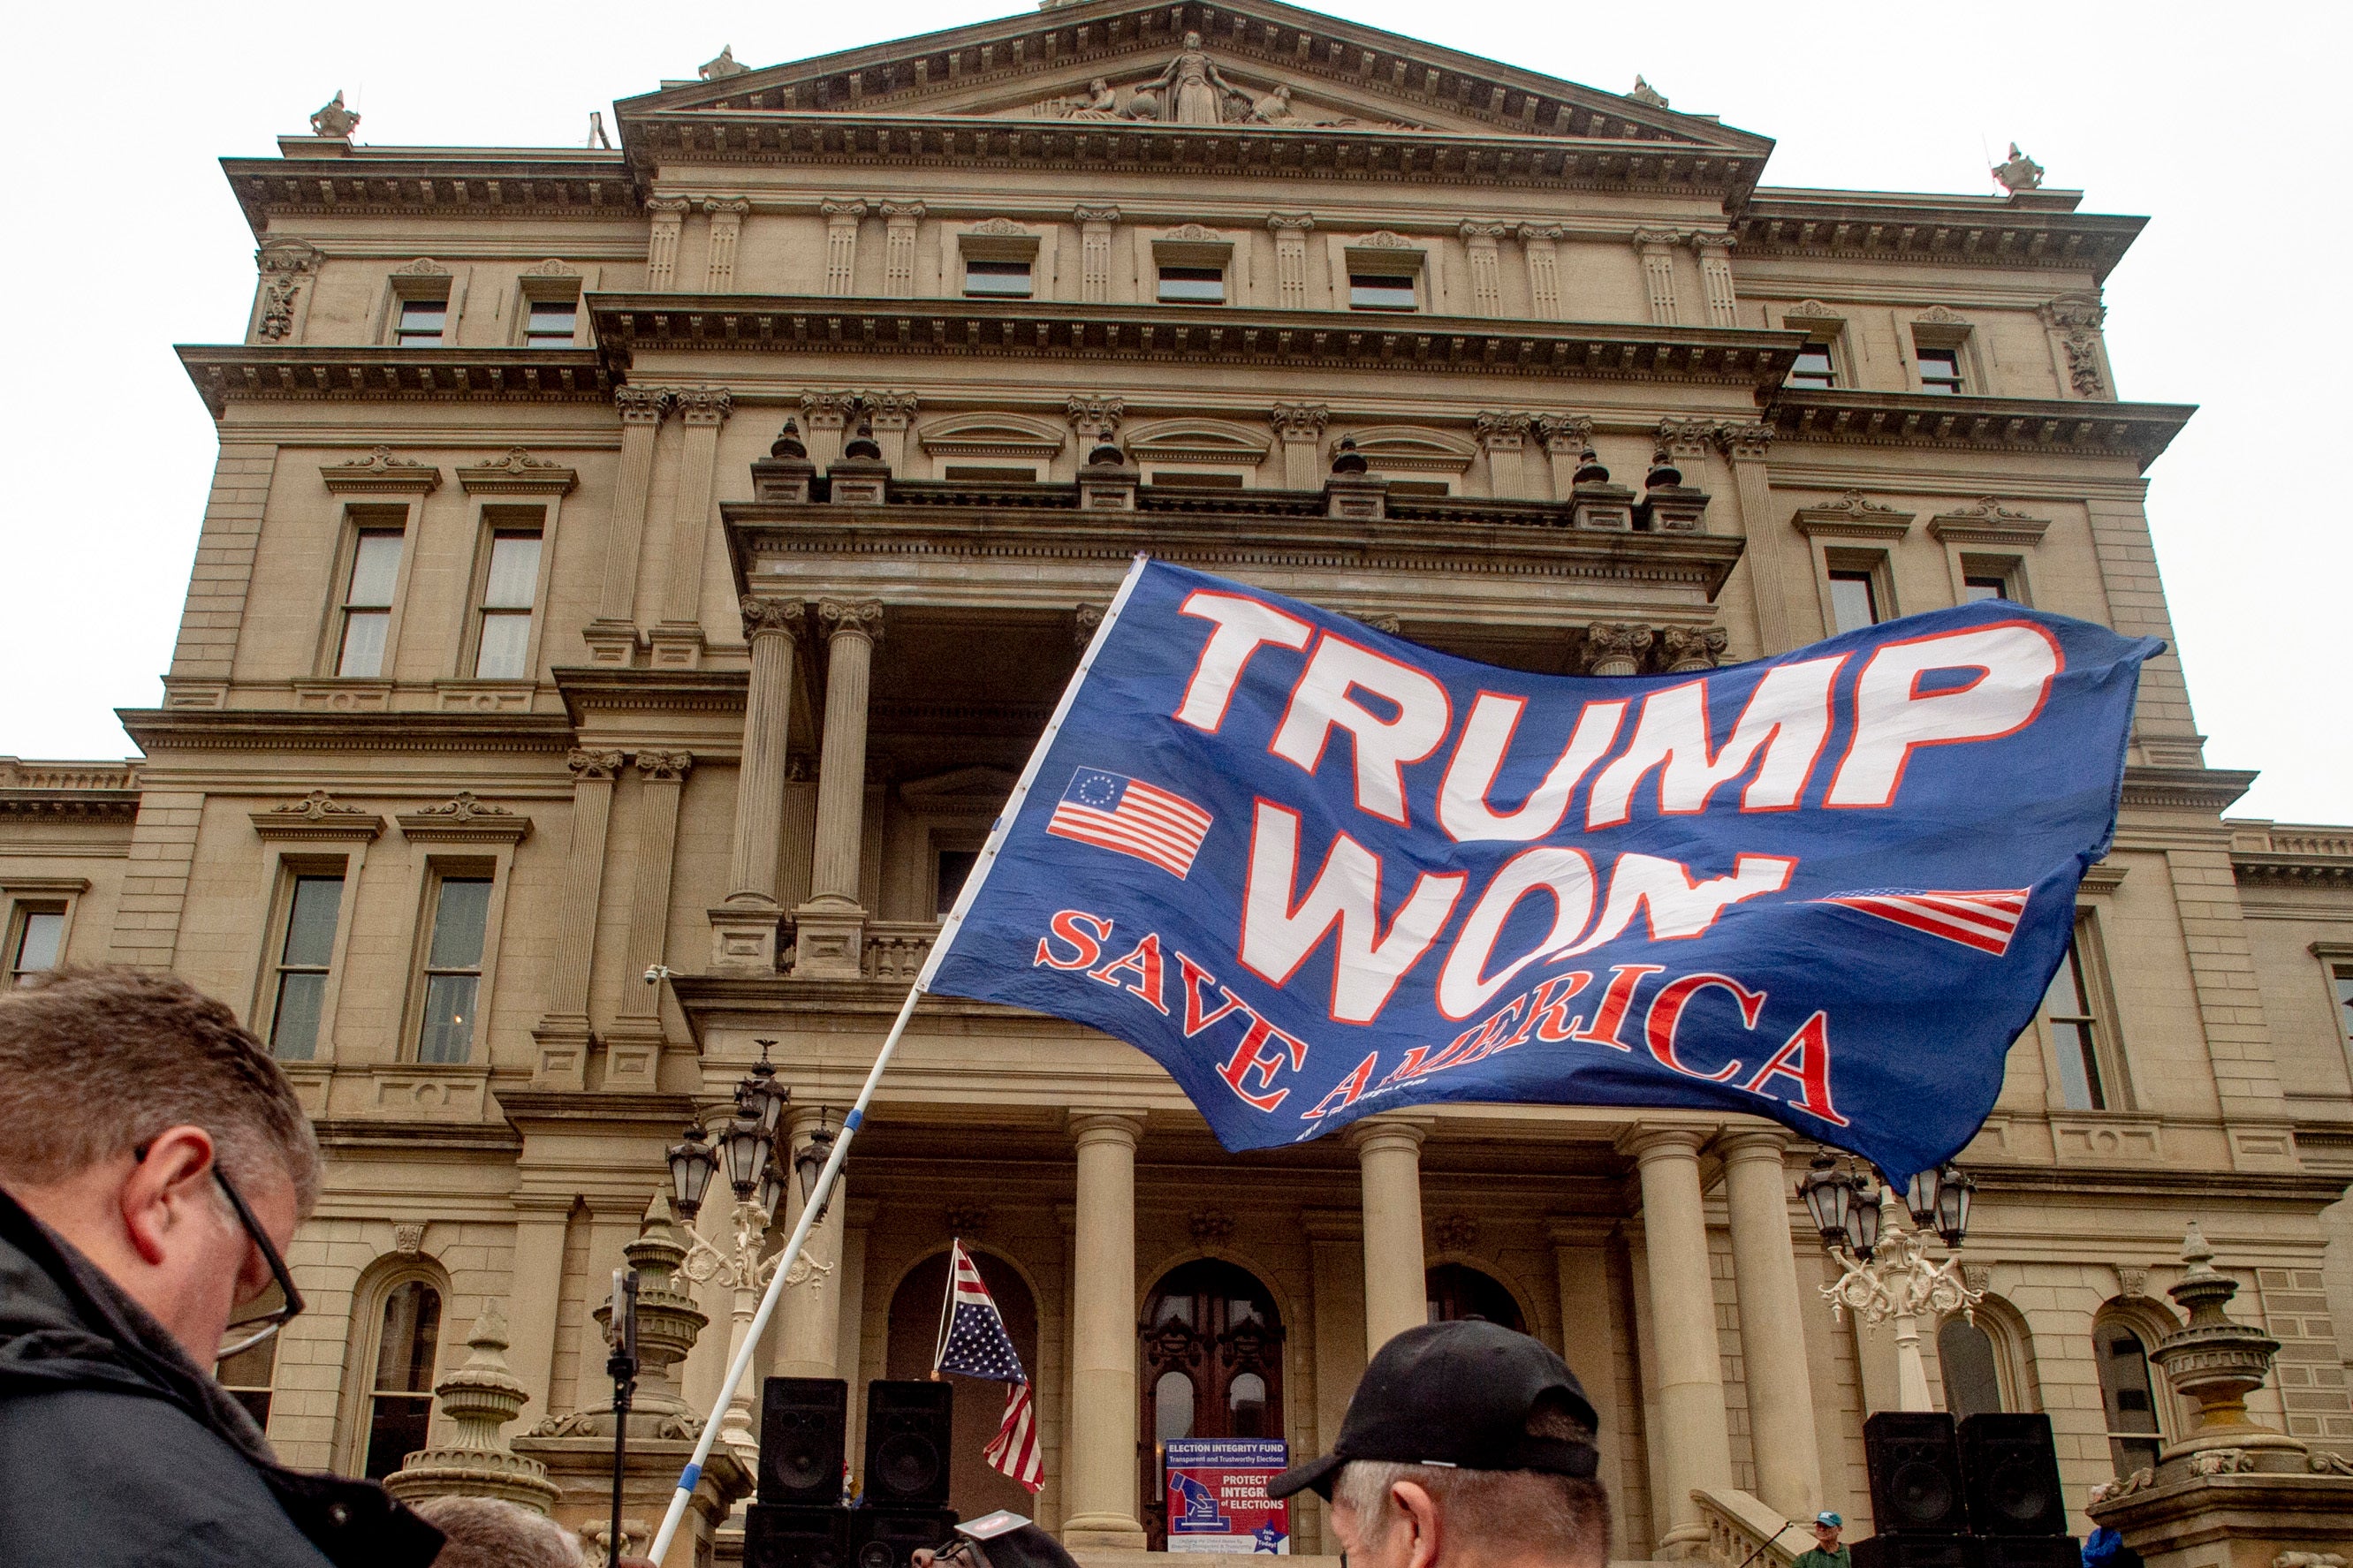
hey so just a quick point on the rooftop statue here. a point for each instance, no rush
(1645, 93)
(2020, 172)
(726, 65)
(1195, 91)
(334, 120)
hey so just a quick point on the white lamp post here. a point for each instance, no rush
(1886, 1272)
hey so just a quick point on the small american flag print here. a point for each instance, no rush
(1112, 811)
(1985, 920)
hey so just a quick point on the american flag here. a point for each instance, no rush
(1113, 812)
(973, 1342)
(1985, 920)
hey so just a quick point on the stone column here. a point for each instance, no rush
(891, 414)
(1657, 248)
(1694, 1437)
(633, 1045)
(841, 246)
(612, 636)
(812, 1304)
(898, 221)
(661, 248)
(727, 224)
(1095, 225)
(1504, 435)
(1098, 1462)
(1290, 232)
(1540, 243)
(1714, 248)
(531, 1309)
(1772, 1329)
(744, 929)
(562, 1030)
(830, 922)
(1396, 1293)
(1301, 428)
(1780, 568)
(1486, 266)
(678, 640)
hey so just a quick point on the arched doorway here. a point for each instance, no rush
(1212, 1367)
(973, 1489)
(1458, 1291)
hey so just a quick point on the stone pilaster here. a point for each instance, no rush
(633, 1045)
(899, 222)
(677, 639)
(1300, 426)
(1486, 265)
(1657, 248)
(662, 244)
(612, 636)
(1095, 225)
(825, 415)
(830, 922)
(726, 215)
(1789, 610)
(1540, 244)
(562, 1030)
(842, 220)
(1714, 248)
(1565, 438)
(1290, 232)
(744, 929)
(890, 416)
(811, 1332)
(1099, 1463)
(1388, 1159)
(1504, 435)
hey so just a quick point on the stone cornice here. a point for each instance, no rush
(605, 689)
(246, 729)
(79, 803)
(855, 140)
(231, 372)
(2137, 430)
(457, 184)
(2292, 855)
(2197, 789)
(2037, 231)
(1318, 339)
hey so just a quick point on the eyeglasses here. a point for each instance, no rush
(289, 1303)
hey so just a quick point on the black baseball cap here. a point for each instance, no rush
(1457, 1394)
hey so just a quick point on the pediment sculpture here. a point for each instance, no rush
(1191, 90)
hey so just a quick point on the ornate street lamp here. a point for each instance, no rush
(692, 1167)
(1857, 1218)
(809, 1164)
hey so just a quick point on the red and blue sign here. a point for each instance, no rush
(1216, 1493)
(1316, 871)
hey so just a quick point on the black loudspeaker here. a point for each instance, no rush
(802, 1420)
(908, 1427)
(783, 1536)
(2012, 1475)
(2029, 1552)
(1883, 1551)
(1916, 1473)
(889, 1537)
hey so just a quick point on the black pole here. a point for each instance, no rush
(622, 1367)
(1744, 1561)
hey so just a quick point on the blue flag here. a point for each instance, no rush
(1318, 872)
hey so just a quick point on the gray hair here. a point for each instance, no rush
(1497, 1513)
(96, 1062)
(490, 1533)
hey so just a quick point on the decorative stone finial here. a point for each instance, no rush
(1350, 460)
(1590, 470)
(2018, 173)
(1662, 471)
(787, 443)
(480, 1398)
(1645, 93)
(862, 445)
(2213, 1360)
(726, 65)
(334, 120)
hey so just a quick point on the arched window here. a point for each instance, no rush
(400, 1399)
(1213, 1365)
(1972, 1365)
(973, 1489)
(1458, 1291)
(2127, 1394)
(247, 1376)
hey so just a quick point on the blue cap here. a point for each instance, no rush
(1830, 1519)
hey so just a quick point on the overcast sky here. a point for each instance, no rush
(2224, 125)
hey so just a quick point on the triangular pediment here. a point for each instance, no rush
(1262, 66)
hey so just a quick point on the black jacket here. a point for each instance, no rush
(116, 1452)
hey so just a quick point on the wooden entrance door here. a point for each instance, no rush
(1212, 1368)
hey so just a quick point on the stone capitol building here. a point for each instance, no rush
(662, 559)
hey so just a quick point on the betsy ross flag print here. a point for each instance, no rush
(1112, 811)
(973, 1343)
(1983, 920)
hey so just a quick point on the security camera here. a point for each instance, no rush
(657, 973)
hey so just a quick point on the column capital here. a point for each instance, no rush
(888, 410)
(1480, 232)
(664, 767)
(825, 409)
(588, 765)
(1383, 1132)
(1083, 214)
(851, 617)
(1652, 239)
(1616, 643)
(840, 211)
(726, 206)
(672, 208)
(1564, 433)
(1300, 421)
(1707, 239)
(902, 212)
(1542, 233)
(1095, 416)
(1291, 222)
(641, 404)
(764, 617)
(1083, 621)
(1744, 442)
(1752, 1143)
(1087, 1126)
(1689, 648)
(1647, 1141)
(704, 404)
(1503, 429)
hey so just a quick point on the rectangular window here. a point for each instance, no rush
(2067, 1009)
(1940, 371)
(1813, 367)
(453, 969)
(2344, 978)
(954, 867)
(367, 602)
(39, 934)
(1975, 588)
(303, 959)
(1854, 600)
(1381, 291)
(551, 324)
(996, 279)
(510, 588)
(1192, 284)
(422, 324)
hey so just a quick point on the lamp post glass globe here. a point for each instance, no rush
(1828, 1199)
(747, 1147)
(692, 1167)
(1862, 1220)
(809, 1164)
(759, 1097)
(1954, 1191)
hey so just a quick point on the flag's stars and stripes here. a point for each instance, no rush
(1985, 920)
(1112, 811)
(973, 1342)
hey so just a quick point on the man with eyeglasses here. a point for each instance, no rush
(153, 1164)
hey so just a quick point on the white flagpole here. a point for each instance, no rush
(693, 1474)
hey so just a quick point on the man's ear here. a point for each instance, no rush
(162, 1191)
(1419, 1511)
